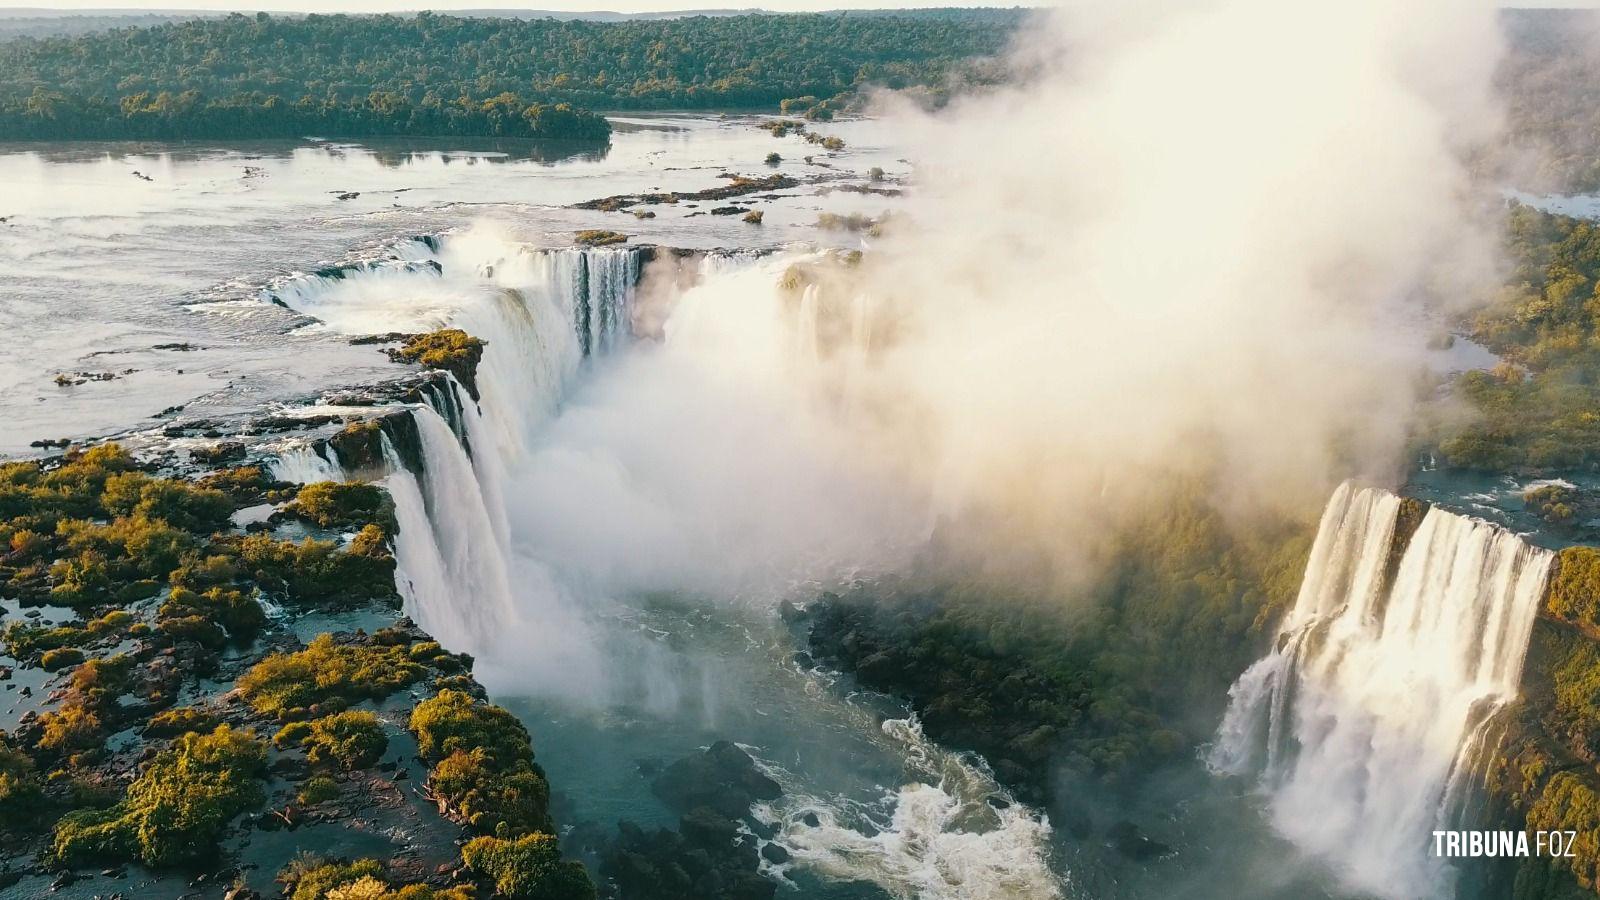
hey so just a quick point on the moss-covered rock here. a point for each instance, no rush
(484, 774)
(176, 810)
(598, 237)
(341, 504)
(449, 349)
(528, 868)
(1574, 591)
(350, 740)
(326, 675)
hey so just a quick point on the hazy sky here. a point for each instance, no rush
(353, 6)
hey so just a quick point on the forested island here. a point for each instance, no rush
(267, 76)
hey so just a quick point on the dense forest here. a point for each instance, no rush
(1539, 411)
(267, 76)
(1548, 80)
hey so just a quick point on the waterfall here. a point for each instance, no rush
(461, 592)
(599, 283)
(304, 464)
(1373, 703)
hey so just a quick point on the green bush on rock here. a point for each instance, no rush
(1574, 593)
(351, 740)
(338, 504)
(528, 868)
(175, 811)
(483, 773)
(326, 674)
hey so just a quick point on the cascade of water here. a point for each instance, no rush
(461, 590)
(303, 464)
(420, 571)
(598, 284)
(1361, 720)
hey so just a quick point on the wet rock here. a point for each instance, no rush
(1126, 838)
(723, 778)
(708, 828)
(811, 821)
(775, 854)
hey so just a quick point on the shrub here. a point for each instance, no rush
(449, 349)
(754, 216)
(599, 237)
(196, 629)
(175, 811)
(312, 878)
(70, 729)
(232, 611)
(452, 720)
(113, 621)
(359, 443)
(484, 773)
(528, 868)
(326, 674)
(353, 740)
(494, 800)
(60, 658)
(21, 798)
(244, 484)
(318, 789)
(23, 639)
(330, 504)
(177, 502)
(774, 158)
(102, 680)
(291, 735)
(179, 720)
(317, 570)
(1574, 592)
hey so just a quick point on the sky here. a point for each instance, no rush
(369, 6)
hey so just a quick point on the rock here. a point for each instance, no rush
(706, 827)
(775, 854)
(1126, 838)
(723, 778)
(811, 821)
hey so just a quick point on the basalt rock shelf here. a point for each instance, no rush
(213, 690)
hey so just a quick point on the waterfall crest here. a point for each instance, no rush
(1377, 689)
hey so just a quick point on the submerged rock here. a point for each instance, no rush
(1126, 838)
(723, 778)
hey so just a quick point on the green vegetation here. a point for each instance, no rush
(1574, 592)
(599, 237)
(342, 504)
(60, 658)
(314, 570)
(21, 798)
(325, 676)
(1556, 504)
(1038, 684)
(317, 789)
(350, 740)
(178, 720)
(448, 349)
(483, 772)
(529, 868)
(1540, 410)
(265, 76)
(176, 809)
(211, 619)
(314, 878)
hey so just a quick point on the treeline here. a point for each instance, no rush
(264, 75)
(49, 115)
(1539, 410)
(1549, 80)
